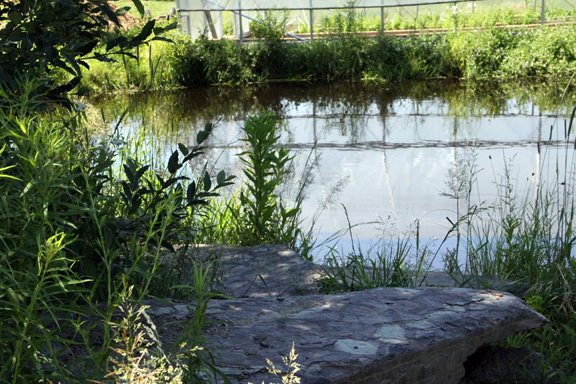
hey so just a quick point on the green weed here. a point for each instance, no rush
(78, 242)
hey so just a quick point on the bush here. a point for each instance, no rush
(75, 233)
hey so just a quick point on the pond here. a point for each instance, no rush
(386, 152)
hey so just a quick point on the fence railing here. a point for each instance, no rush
(205, 17)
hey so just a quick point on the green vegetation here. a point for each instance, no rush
(257, 213)
(76, 28)
(462, 15)
(157, 8)
(475, 55)
(77, 232)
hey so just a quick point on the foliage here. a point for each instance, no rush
(346, 20)
(481, 53)
(259, 211)
(274, 25)
(37, 37)
(54, 188)
(289, 377)
(264, 168)
(205, 62)
(74, 235)
(447, 17)
(28, 345)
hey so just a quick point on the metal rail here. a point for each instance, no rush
(239, 12)
(397, 4)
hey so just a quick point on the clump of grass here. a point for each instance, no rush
(75, 246)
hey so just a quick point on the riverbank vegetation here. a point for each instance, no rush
(473, 55)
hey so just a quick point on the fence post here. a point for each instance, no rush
(240, 21)
(456, 17)
(312, 22)
(542, 16)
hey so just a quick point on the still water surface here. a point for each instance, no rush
(389, 148)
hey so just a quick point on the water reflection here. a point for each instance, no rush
(393, 145)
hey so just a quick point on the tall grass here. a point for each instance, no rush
(77, 245)
(528, 239)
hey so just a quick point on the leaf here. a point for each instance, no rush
(191, 192)
(141, 171)
(105, 59)
(115, 42)
(15, 17)
(184, 149)
(128, 170)
(173, 164)
(139, 7)
(160, 38)
(207, 181)
(221, 177)
(122, 11)
(171, 26)
(202, 135)
(67, 87)
(73, 64)
(192, 155)
(169, 182)
(108, 12)
(146, 31)
(127, 191)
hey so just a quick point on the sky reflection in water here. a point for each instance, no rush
(391, 146)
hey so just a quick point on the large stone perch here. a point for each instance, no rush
(377, 336)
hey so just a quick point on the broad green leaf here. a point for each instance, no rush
(220, 178)
(15, 17)
(184, 149)
(173, 164)
(146, 31)
(140, 8)
(207, 182)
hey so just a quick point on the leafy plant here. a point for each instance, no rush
(39, 36)
(262, 212)
(273, 27)
(289, 376)
(31, 302)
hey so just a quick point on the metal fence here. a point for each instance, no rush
(204, 17)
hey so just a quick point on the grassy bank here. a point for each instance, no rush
(502, 54)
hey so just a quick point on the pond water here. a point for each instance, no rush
(388, 150)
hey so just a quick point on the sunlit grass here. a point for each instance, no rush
(157, 8)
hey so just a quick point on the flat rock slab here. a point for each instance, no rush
(383, 335)
(266, 271)
(272, 270)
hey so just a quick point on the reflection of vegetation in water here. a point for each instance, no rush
(177, 114)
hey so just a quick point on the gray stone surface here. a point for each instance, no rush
(266, 271)
(276, 270)
(383, 335)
